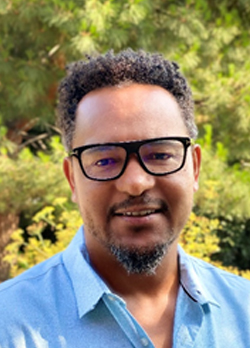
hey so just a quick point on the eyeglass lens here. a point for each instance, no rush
(159, 157)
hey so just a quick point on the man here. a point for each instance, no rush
(127, 124)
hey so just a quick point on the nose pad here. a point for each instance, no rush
(135, 180)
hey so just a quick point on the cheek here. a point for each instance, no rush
(179, 196)
(180, 191)
(92, 199)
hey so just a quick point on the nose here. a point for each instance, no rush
(135, 181)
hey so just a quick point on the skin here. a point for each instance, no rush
(127, 113)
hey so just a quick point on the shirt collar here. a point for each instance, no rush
(88, 286)
(192, 280)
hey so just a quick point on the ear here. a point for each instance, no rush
(68, 172)
(196, 165)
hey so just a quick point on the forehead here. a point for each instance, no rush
(125, 113)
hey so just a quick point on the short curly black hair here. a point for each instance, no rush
(111, 69)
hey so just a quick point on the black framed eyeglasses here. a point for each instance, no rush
(108, 161)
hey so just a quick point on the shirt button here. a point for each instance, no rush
(144, 342)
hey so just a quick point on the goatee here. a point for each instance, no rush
(140, 260)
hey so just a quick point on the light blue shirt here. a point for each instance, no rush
(63, 303)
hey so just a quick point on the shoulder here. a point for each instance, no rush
(33, 302)
(216, 285)
(31, 279)
(34, 298)
(221, 283)
(44, 273)
(217, 273)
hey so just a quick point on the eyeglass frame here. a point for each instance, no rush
(132, 147)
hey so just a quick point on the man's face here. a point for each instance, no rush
(138, 212)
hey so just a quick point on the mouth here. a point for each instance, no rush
(139, 210)
(139, 213)
(139, 223)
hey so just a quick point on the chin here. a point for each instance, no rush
(140, 259)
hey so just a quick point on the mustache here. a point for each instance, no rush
(144, 200)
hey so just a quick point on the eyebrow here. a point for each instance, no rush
(101, 147)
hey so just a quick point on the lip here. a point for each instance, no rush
(143, 210)
(138, 213)
(138, 216)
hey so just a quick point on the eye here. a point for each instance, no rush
(163, 156)
(105, 162)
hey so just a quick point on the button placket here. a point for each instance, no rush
(126, 321)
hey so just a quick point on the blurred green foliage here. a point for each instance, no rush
(224, 194)
(209, 39)
(24, 253)
(27, 181)
(211, 42)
